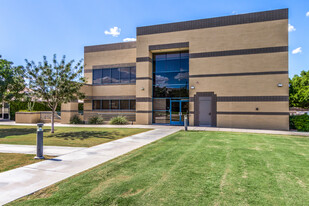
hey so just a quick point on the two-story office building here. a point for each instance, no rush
(229, 71)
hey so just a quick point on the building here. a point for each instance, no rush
(229, 71)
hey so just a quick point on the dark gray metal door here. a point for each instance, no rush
(205, 111)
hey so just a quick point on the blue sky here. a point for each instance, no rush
(30, 29)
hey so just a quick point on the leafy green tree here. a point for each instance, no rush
(56, 83)
(12, 81)
(299, 90)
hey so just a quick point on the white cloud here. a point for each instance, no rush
(307, 14)
(234, 12)
(297, 50)
(291, 28)
(129, 39)
(115, 31)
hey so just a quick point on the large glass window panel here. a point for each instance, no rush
(97, 76)
(106, 76)
(125, 75)
(96, 104)
(161, 117)
(115, 75)
(133, 74)
(184, 61)
(132, 104)
(163, 79)
(161, 104)
(173, 62)
(171, 91)
(105, 104)
(114, 104)
(159, 63)
(124, 104)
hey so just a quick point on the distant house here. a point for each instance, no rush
(5, 111)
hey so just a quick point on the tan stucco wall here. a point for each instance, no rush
(234, 37)
(121, 56)
(68, 110)
(244, 36)
(27, 117)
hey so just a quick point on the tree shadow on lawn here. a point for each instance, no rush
(85, 135)
(18, 131)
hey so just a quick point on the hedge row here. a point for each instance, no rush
(16, 106)
(300, 122)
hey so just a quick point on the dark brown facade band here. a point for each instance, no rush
(239, 52)
(253, 99)
(213, 107)
(214, 22)
(140, 111)
(114, 65)
(255, 113)
(143, 78)
(143, 99)
(109, 97)
(239, 74)
(250, 99)
(143, 59)
(108, 47)
(169, 46)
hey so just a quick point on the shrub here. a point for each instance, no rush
(300, 122)
(119, 120)
(95, 120)
(76, 120)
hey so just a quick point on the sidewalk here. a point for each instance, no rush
(31, 149)
(25, 180)
(218, 129)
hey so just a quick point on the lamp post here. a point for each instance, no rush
(186, 122)
(39, 142)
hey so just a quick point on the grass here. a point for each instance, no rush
(10, 161)
(193, 168)
(64, 136)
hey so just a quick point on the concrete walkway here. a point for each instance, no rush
(25, 180)
(218, 129)
(31, 149)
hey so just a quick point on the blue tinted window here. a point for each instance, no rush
(171, 78)
(133, 75)
(171, 75)
(115, 75)
(125, 75)
(97, 76)
(106, 76)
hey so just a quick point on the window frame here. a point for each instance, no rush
(110, 105)
(132, 79)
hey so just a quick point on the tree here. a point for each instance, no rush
(299, 90)
(12, 81)
(55, 83)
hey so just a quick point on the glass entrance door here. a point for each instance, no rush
(178, 109)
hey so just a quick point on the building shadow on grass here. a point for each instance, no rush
(85, 135)
(18, 131)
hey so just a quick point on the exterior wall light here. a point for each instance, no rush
(279, 85)
(192, 87)
(142, 88)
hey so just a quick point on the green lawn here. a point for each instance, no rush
(194, 168)
(10, 161)
(64, 136)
